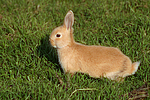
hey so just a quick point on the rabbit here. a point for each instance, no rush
(96, 61)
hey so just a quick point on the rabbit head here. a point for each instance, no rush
(63, 35)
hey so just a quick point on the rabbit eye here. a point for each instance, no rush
(58, 35)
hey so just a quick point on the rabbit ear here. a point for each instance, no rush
(69, 20)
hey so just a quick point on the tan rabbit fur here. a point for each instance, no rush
(97, 61)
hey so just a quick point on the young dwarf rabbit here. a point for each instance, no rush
(97, 61)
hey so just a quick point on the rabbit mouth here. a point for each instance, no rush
(52, 43)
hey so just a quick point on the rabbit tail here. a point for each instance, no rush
(134, 67)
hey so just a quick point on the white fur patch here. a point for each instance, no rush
(111, 75)
(136, 67)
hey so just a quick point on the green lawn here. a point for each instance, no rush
(29, 67)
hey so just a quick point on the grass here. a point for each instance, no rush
(29, 67)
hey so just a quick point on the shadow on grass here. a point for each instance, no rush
(46, 50)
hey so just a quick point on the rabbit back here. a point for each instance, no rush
(96, 61)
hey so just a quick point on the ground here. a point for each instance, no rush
(29, 66)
